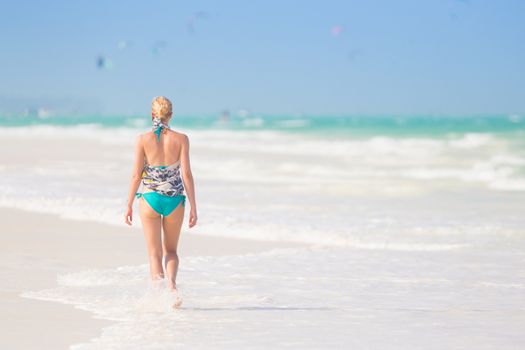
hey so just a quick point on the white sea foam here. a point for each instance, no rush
(273, 299)
(286, 187)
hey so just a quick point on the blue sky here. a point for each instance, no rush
(403, 57)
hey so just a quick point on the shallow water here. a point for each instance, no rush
(310, 298)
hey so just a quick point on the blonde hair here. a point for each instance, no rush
(161, 108)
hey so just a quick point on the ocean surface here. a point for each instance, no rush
(415, 228)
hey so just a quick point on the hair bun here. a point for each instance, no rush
(162, 108)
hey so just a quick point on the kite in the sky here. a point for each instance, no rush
(104, 63)
(123, 44)
(336, 30)
(161, 44)
(192, 21)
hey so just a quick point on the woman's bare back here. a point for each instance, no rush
(165, 152)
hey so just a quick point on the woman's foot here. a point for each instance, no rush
(178, 299)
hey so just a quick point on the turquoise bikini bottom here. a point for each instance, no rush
(162, 204)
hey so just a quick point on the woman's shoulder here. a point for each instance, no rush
(142, 135)
(145, 137)
(178, 134)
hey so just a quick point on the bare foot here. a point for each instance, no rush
(178, 300)
(177, 303)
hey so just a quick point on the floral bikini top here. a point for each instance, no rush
(163, 179)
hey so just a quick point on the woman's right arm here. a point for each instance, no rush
(187, 178)
(136, 178)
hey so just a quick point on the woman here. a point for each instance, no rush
(162, 164)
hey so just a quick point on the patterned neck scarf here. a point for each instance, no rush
(158, 126)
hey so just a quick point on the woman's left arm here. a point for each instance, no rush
(136, 176)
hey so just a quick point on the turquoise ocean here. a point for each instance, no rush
(328, 125)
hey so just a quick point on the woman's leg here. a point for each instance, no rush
(171, 225)
(151, 223)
